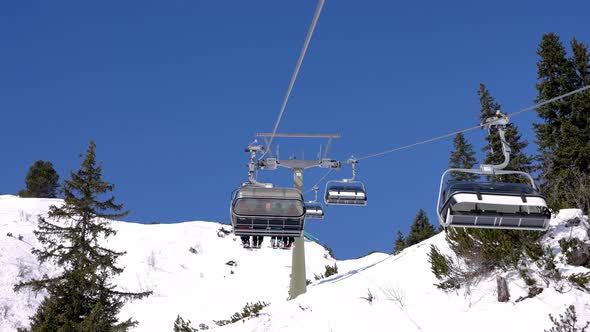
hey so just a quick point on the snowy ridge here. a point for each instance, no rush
(202, 288)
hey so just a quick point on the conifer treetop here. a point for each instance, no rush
(82, 297)
(462, 156)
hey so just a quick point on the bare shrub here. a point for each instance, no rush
(395, 294)
(24, 270)
(25, 216)
(370, 297)
(151, 260)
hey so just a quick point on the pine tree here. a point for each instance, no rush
(181, 325)
(568, 322)
(563, 135)
(42, 181)
(399, 243)
(82, 297)
(420, 230)
(519, 161)
(462, 157)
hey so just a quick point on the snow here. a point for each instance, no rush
(202, 287)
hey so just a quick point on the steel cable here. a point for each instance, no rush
(316, 16)
(474, 127)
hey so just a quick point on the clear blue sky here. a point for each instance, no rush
(172, 92)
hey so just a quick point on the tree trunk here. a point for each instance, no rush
(503, 294)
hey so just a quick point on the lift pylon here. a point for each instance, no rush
(298, 277)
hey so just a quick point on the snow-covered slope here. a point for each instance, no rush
(198, 286)
(202, 288)
(406, 300)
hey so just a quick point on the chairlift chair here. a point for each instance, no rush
(346, 191)
(260, 209)
(265, 211)
(314, 209)
(492, 205)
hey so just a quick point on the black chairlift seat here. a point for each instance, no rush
(314, 211)
(346, 193)
(262, 211)
(494, 205)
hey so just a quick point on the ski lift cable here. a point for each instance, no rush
(474, 127)
(319, 181)
(314, 21)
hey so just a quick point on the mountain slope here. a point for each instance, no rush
(199, 286)
(202, 287)
(406, 300)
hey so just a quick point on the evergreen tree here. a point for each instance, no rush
(492, 248)
(420, 230)
(563, 135)
(462, 157)
(567, 322)
(181, 325)
(41, 181)
(519, 161)
(399, 243)
(82, 297)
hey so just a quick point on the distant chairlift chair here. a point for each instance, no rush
(492, 205)
(346, 191)
(313, 209)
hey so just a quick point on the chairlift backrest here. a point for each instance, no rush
(492, 205)
(277, 202)
(345, 193)
(263, 211)
(314, 211)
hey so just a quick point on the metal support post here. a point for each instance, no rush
(298, 284)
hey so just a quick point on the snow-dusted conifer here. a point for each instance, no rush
(563, 135)
(462, 156)
(420, 230)
(181, 325)
(400, 243)
(42, 181)
(82, 297)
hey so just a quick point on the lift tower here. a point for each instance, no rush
(298, 284)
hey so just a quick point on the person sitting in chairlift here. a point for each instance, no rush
(245, 241)
(292, 209)
(257, 239)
